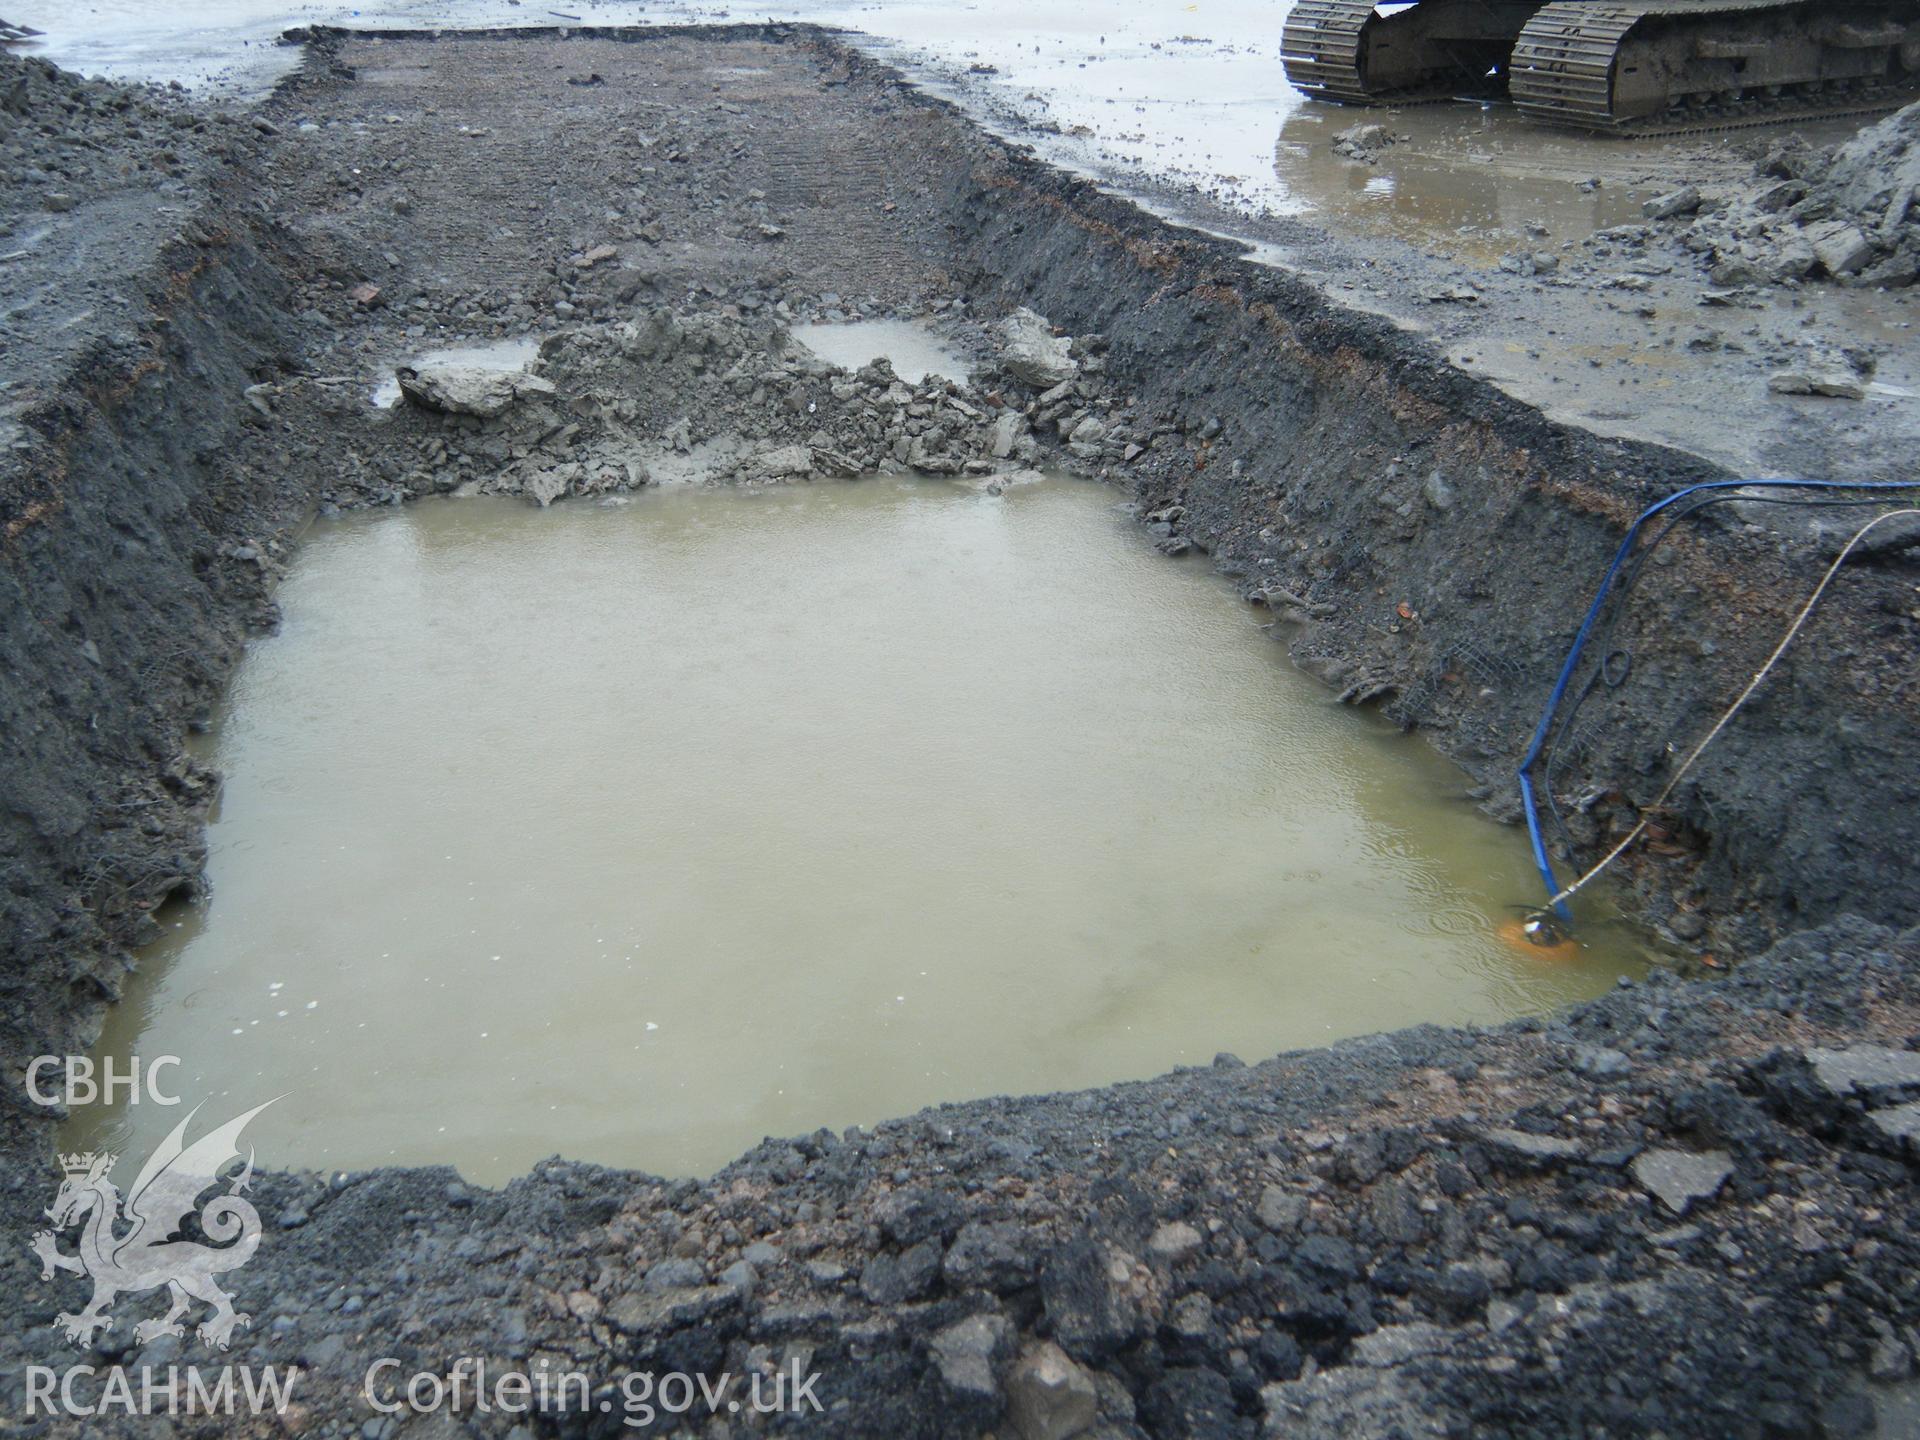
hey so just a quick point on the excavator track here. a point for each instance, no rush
(1568, 58)
(1347, 51)
(1320, 45)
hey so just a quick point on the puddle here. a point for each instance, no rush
(639, 833)
(503, 357)
(914, 350)
(1468, 178)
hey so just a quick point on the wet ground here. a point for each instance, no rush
(913, 350)
(1187, 108)
(568, 829)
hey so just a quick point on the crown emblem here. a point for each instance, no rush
(78, 1164)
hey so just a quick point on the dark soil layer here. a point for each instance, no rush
(1438, 1232)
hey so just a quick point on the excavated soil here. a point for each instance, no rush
(1683, 1209)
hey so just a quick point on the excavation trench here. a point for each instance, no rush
(658, 216)
(577, 832)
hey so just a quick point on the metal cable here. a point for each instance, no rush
(1759, 676)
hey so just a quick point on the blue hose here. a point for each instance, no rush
(1540, 859)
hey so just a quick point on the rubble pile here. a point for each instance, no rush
(1850, 214)
(710, 394)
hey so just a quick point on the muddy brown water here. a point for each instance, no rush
(1468, 179)
(639, 832)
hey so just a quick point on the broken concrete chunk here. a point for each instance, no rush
(1839, 247)
(1033, 354)
(468, 389)
(783, 462)
(1517, 1146)
(1280, 1210)
(546, 487)
(1172, 1242)
(1818, 380)
(1683, 201)
(1360, 142)
(1872, 1072)
(1680, 1177)
(1050, 1397)
(1601, 1062)
(1007, 430)
(1900, 1124)
(965, 1353)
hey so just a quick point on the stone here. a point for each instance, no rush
(892, 1279)
(1280, 1210)
(1789, 258)
(1084, 1311)
(966, 1353)
(1839, 247)
(1006, 431)
(826, 1272)
(1191, 1402)
(782, 462)
(1048, 1396)
(1352, 1400)
(1032, 354)
(1687, 924)
(1276, 1355)
(1680, 1177)
(1174, 1242)
(991, 1256)
(1396, 1344)
(468, 389)
(1599, 1062)
(1683, 201)
(1848, 1416)
(915, 1214)
(1872, 1072)
(1519, 1147)
(1900, 1124)
(545, 487)
(675, 1274)
(1736, 270)
(1360, 142)
(1891, 1361)
(1893, 273)
(1818, 380)
(1088, 432)
(1365, 134)
(1328, 1256)
(1438, 492)
(640, 1312)
(1191, 1317)
(1462, 1290)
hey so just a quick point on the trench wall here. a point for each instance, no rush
(1442, 539)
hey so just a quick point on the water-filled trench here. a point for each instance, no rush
(636, 832)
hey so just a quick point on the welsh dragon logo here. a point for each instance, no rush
(130, 1247)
